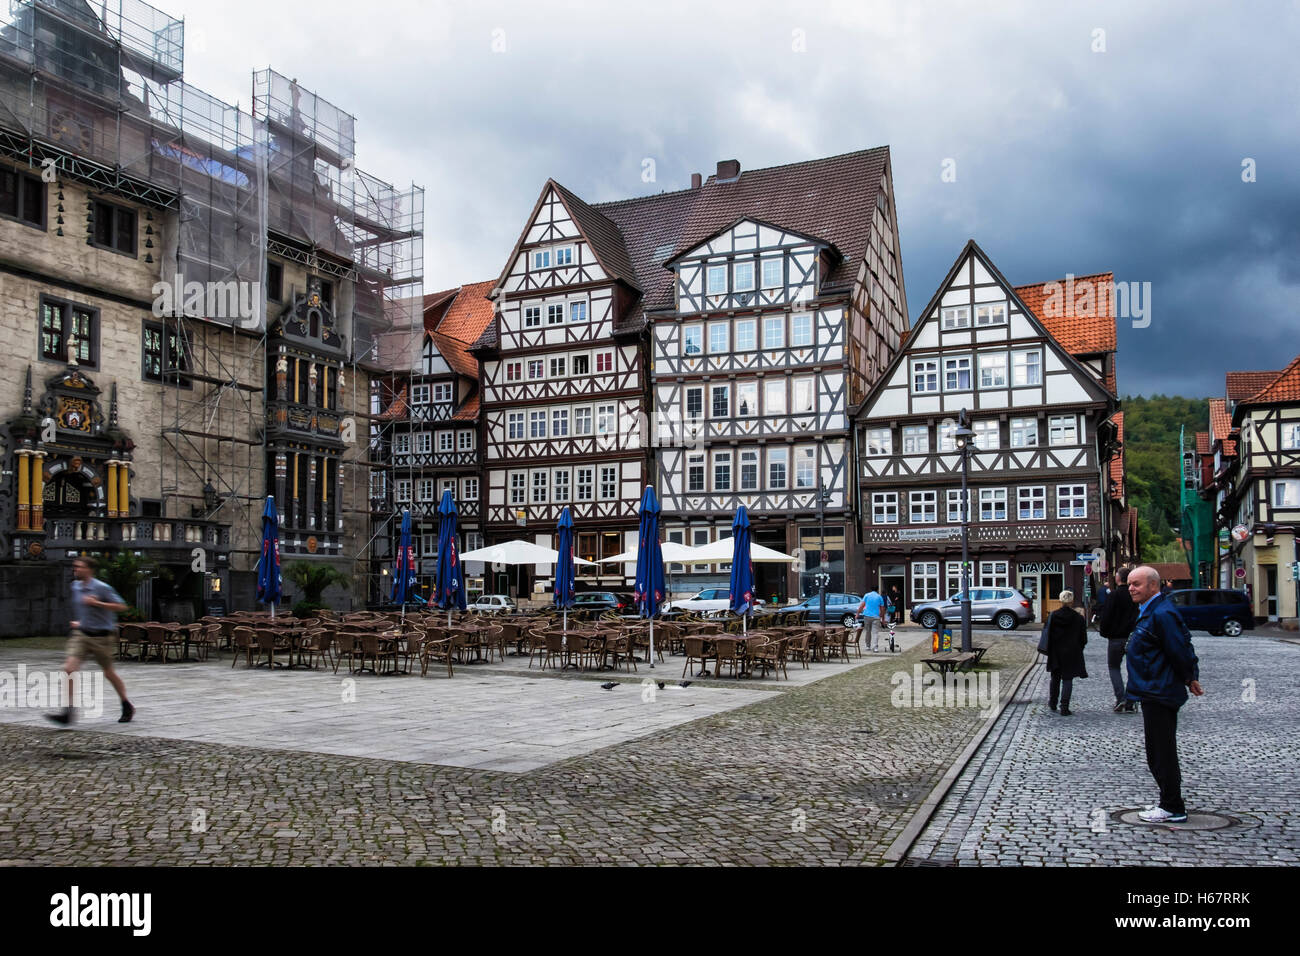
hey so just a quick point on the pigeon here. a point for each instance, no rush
(661, 685)
(684, 683)
(608, 685)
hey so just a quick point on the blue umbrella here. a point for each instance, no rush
(404, 570)
(742, 569)
(268, 566)
(649, 590)
(449, 581)
(564, 572)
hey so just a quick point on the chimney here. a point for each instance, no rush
(696, 180)
(728, 170)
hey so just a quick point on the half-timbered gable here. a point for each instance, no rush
(1041, 482)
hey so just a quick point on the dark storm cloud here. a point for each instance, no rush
(1068, 158)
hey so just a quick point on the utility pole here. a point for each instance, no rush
(965, 440)
(822, 573)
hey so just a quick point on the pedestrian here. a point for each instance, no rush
(1067, 632)
(896, 601)
(872, 611)
(1162, 668)
(96, 605)
(1115, 621)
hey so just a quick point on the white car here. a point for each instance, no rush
(493, 604)
(710, 599)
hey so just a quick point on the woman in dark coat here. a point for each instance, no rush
(1067, 632)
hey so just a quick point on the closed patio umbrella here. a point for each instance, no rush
(649, 590)
(742, 571)
(404, 570)
(268, 566)
(564, 569)
(449, 581)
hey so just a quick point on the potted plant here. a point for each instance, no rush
(312, 579)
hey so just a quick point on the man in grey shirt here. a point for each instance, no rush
(97, 605)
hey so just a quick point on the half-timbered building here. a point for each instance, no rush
(1033, 367)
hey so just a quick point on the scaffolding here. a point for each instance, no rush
(98, 92)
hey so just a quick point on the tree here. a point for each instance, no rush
(312, 579)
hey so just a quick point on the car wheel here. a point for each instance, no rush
(1232, 628)
(929, 620)
(1007, 621)
(847, 620)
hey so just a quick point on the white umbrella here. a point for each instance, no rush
(722, 551)
(517, 552)
(673, 553)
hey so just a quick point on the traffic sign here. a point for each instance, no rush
(1240, 573)
(1086, 556)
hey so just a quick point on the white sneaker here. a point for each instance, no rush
(1161, 815)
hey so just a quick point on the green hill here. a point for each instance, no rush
(1151, 454)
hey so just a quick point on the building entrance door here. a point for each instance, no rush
(893, 583)
(1053, 585)
(1029, 588)
(1270, 591)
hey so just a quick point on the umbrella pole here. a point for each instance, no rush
(273, 610)
(652, 643)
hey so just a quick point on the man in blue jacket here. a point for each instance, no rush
(1161, 670)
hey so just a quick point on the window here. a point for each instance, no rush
(717, 280)
(1071, 501)
(426, 489)
(555, 314)
(420, 394)
(518, 487)
(442, 392)
(948, 435)
(957, 317)
(537, 424)
(542, 259)
(746, 331)
(986, 435)
(774, 332)
(581, 365)
(539, 487)
(114, 227)
(536, 369)
(718, 337)
(772, 273)
(447, 484)
(1032, 503)
(163, 355)
(1063, 430)
(993, 370)
(1027, 368)
(694, 403)
(584, 482)
(604, 362)
(884, 507)
(514, 371)
(994, 574)
(577, 311)
(956, 374)
(721, 401)
(954, 505)
(924, 507)
(695, 471)
(403, 489)
(558, 364)
(692, 340)
(423, 443)
(749, 471)
(880, 441)
(916, 439)
(746, 399)
(515, 425)
(605, 419)
(925, 375)
(22, 197)
(275, 282)
(582, 420)
(805, 467)
(801, 330)
(465, 441)
(402, 443)
(446, 441)
(993, 504)
(742, 277)
(564, 256)
(62, 323)
(608, 483)
(1291, 436)
(777, 462)
(925, 581)
(722, 471)
(1024, 432)
(952, 578)
(533, 317)
(559, 423)
(991, 313)
(1286, 493)
(803, 400)
(774, 397)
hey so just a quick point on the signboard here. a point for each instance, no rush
(1042, 567)
(1240, 532)
(1080, 564)
(1239, 574)
(928, 534)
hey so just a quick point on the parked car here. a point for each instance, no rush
(1005, 607)
(839, 607)
(600, 601)
(710, 599)
(493, 604)
(1219, 611)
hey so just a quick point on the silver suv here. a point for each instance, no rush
(1005, 607)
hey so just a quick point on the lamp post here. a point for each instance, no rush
(965, 441)
(822, 564)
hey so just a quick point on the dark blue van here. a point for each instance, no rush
(1216, 610)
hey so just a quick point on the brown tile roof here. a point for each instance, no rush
(1221, 426)
(1202, 443)
(1172, 570)
(1085, 332)
(652, 228)
(604, 236)
(462, 325)
(397, 410)
(434, 299)
(1117, 463)
(469, 411)
(1241, 385)
(1285, 387)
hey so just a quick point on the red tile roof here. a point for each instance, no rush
(1285, 387)
(461, 325)
(1081, 327)
(1202, 443)
(397, 410)
(1242, 385)
(1221, 426)
(1117, 463)
(1172, 570)
(469, 411)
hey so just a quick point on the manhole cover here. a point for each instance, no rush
(1194, 821)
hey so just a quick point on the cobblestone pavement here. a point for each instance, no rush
(828, 773)
(1046, 790)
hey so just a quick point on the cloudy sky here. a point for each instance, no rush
(1084, 137)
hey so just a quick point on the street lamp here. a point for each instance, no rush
(965, 441)
(823, 575)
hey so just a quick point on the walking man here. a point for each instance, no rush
(97, 605)
(872, 611)
(1115, 621)
(1162, 668)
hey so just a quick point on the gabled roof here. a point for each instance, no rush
(463, 321)
(1078, 333)
(469, 411)
(397, 410)
(652, 228)
(1202, 443)
(1221, 425)
(1242, 385)
(1285, 387)
(434, 299)
(603, 235)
